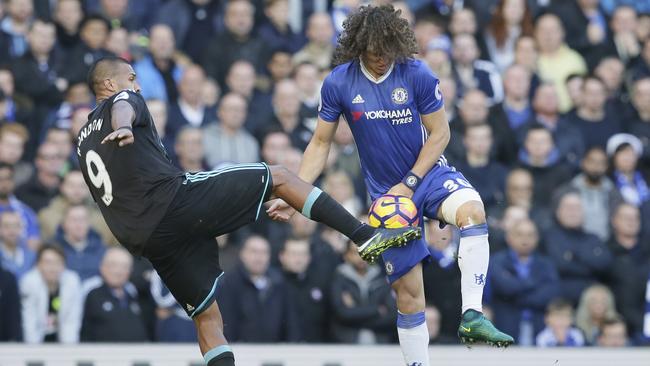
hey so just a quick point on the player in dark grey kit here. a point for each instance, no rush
(171, 217)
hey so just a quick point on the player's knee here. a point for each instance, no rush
(280, 175)
(410, 302)
(470, 213)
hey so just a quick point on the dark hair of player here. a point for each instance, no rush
(378, 29)
(102, 69)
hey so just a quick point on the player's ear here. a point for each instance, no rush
(109, 85)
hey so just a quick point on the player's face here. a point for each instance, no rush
(125, 79)
(375, 63)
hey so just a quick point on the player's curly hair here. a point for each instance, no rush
(378, 29)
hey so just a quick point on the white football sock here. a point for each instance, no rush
(473, 260)
(413, 338)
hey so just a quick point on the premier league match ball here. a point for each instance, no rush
(393, 212)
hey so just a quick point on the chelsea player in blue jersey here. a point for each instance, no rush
(394, 107)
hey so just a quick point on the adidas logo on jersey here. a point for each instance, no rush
(358, 99)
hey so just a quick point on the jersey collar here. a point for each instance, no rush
(369, 76)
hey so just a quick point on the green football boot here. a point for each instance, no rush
(476, 328)
(384, 239)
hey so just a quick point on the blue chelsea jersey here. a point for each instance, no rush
(384, 116)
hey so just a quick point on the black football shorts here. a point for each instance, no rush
(183, 249)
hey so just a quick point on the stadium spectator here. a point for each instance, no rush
(526, 54)
(60, 137)
(51, 299)
(613, 333)
(226, 141)
(437, 55)
(241, 80)
(9, 202)
(581, 258)
(307, 290)
(10, 317)
(319, 49)
(118, 44)
(15, 256)
(625, 151)
(189, 108)
(519, 192)
(574, 84)
(67, 17)
(172, 324)
(82, 246)
(556, 60)
(286, 114)
(210, 92)
(586, 28)
(158, 72)
(631, 267)
(640, 67)
(158, 110)
(275, 145)
(442, 277)
(93, 32)
(515, 108)
(118, 13)
(73, 192)
(612, 72)
(523, 283)
(190, 150)
(486, 175)
(279, 66)
(639, 125)
(18, 107)
(595, 122)
(542, 159)
(598, 194)
(339, 186)
(254, 300)
(559, 331)
(44, 183)
(623, 42)
(448, 88)
(361, 315)
(307, 79)
(567, 137)
(511, 20)
(13, 137)
(275, 31)
(236, 42)
(595, 307)
(189, 18)
(16, 24)
(111, 310)
(39, 73)
(470, 72)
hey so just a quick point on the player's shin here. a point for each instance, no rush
(319, 206)
(220, 356)
(473, 259)
(413, 338)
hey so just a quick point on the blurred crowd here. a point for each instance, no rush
(549, 106)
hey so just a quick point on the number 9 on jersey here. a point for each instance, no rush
(101, 178)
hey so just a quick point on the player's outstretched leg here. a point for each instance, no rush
(473, 259)
(411, 326)
(319, 206)
(213, 344)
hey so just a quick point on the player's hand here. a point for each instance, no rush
(122, 135)
(280, 210)
(400, 189)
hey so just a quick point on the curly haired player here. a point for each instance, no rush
(395, 109)
(171, 217)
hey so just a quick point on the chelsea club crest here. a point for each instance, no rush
(399, 95)
(389, 268)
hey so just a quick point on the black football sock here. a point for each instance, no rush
(224, 359)
(319, 206)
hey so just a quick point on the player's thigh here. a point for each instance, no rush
(189, 267)
(221, 201)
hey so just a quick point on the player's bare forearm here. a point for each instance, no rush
(439, 134)
(315, 157)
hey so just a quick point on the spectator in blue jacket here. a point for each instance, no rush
(560, 331)
(581, 258)
(523, 283)
(15, 256)
(9, 202)
(82, 246)
(157, 72)
(254, 301)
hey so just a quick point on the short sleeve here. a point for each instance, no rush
(329, 108)
(136, 101)
(428, 97)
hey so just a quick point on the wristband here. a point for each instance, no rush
(412, 181)
(126, 128)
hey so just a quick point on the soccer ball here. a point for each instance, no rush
(393, 212)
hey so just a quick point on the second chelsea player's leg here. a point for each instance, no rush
(464, 208)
